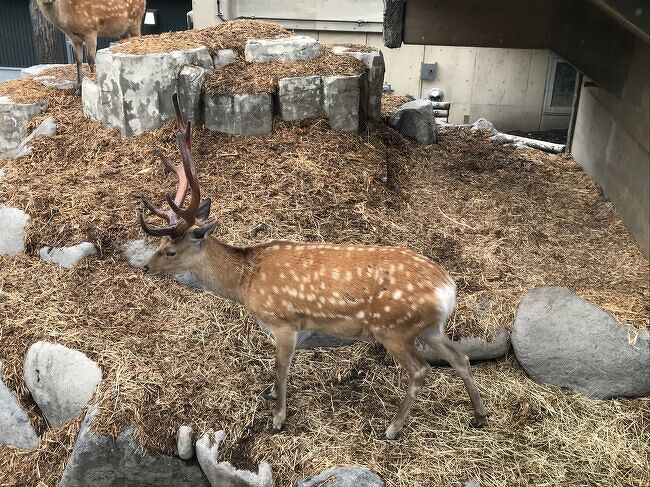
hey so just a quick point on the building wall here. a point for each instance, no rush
(612, 143)
(506, 86)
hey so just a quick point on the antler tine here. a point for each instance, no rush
(170, 230)
(183, 127)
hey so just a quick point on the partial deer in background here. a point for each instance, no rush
(84, 20)
(391, 293)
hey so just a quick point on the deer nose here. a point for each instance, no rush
(145, 268)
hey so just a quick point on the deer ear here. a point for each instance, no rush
(204, 231)
(203, 211)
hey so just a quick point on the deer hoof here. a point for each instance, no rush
(390, 435)
(478, 422)
(275, 431)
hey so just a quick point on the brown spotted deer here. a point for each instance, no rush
(84, 20)
(391, 293)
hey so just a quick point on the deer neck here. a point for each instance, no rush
(223, 269)
(49, 10)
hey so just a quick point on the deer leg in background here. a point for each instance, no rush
(91, 48)
(285, 344)
(417, 368)
(78, 47)
(440, 343)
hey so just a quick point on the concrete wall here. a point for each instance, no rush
(611, 142)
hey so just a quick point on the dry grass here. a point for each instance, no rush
(228, 35)
(243, 77)
(502, 221)
(390, 103)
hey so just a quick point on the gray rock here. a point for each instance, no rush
(46, 128)
(287, 49)
(374, 89)
(15, 428)
(12, 231)
(138, 252)
(393, 23)
(561, 339)
(223, 474)
(342, 102)
(415, 120)
(14, 120)
(244, 114)
(472, 483)
(300, 98)
(483, 124)
(52, 81)
(223, 57)
(184, 443)
(344, 477)
(475, 348)
(135, 91)
(62, 381)
(105, 461)
(90, 99)
(67, 257)
(190, 86)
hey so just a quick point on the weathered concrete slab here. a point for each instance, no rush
(287, 49)
(67, 257)
(223, 57)
(184, 443)
(135, 91)
(14, 120)
(223, 474)
(244, 114)
(12, 231)
(36, 72)
(15, 428)
(190, 96)
(300, 98)
(105, 461)
(342, 102)
(46, 128)
(62, 381)
(90, 99)
(374, 89)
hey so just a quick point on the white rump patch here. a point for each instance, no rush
(446, 295)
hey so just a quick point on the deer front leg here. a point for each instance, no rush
(91, 48)
(78, 47)
(285, 344)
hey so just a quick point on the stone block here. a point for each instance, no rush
(300, 98)
(223, 57)
(15, 428)
(190, 87)
(342, 102)
(244, 114)
(14, 120)
(12, 231)
(374, 89)
(287, 49)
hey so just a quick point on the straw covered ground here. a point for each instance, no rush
(502, 221)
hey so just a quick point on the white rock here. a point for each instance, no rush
(15, 428)
(67, 256)
(224, 57)
(483, 124)
(62, 381)
(137, 252)
(223, 474)
(184, 442)
(287, 49)
(14, 120)
(12, 231)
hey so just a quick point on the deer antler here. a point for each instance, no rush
(179, 219)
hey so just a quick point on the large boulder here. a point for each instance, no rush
(287, 49)
(344, 477)
(134, 92)
(561, 339)
(244, 114)
(14, 120)
(15, 428)
(12, 231)
(415, 120)
(62, 381)
(67, 257)
(106, 461)
(223, 474)
(476, 348)
(343, 102)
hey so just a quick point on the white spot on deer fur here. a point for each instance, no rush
(275, 289)
(391, 269)
(335, 273)
(348, 276)
(376, 315)
(275, 247)
(387, 308)
(333, 300)
(409, 287)
(263, 276)
(361, 315)
(400, 266)
(321, 299)
(397, 294)
(282, 276)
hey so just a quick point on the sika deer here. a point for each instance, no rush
(84, 20)
(393, 294)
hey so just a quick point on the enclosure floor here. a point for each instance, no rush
(502, 221)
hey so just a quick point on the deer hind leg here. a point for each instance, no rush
(78, 47)
(285, 344)
(91, 47)
(417, 368)
(440, 343)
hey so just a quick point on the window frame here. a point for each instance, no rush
(548, 92)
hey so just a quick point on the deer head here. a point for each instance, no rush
(184, 236)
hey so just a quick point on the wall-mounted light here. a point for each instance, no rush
(151, 17)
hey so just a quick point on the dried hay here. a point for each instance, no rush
(228, 35)
(69, 72)
(390, 103)
(502, 221)
(243, 77)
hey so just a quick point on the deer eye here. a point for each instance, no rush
(170, 253)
